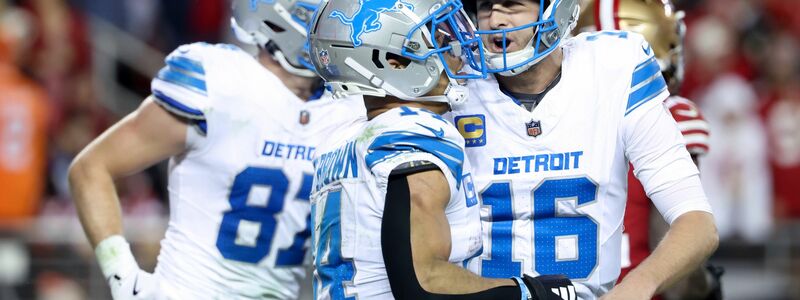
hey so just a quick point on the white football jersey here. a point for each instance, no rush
(552, 182)
(239, 196)
(349, 191)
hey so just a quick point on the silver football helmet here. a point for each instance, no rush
(352, 40)
(554, 24)
(278, 26)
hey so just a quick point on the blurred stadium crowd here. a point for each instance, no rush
(71, 68)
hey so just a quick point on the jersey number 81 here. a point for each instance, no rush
(278, 184)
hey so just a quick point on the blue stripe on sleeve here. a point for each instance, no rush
(645, 71)
(176, 105)
(392, 143)
(646, 92)
(186, 64)
(181, 79)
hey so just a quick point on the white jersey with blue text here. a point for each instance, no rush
(239, 196)
(349, 194)
(552, 182)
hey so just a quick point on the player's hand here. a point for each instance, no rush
(137, 284)
(550, 287)
(124, 277)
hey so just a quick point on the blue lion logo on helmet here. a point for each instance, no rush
(254, 3)
(366, 18)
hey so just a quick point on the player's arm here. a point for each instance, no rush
(430, 240)
(141, 139)
(655, 146)
(669, 176)
(699, 283)
(689, 241)
(415, 223)
(146, 136)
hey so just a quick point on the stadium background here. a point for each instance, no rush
(71, 68)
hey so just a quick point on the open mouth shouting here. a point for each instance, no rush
(497, 45)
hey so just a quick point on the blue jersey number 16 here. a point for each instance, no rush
(549, 229)
(278, 184)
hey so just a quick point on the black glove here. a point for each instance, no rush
(716, 283)
(550, 287)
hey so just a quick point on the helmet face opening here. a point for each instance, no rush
(554, 21)
(447, 31)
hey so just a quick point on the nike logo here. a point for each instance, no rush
(135, 282)
(115, 276)
(646, 48)
(438, 134)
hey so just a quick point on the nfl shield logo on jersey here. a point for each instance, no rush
(534, 128)
(304, 117)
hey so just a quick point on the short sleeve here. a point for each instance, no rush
(180, 86)
(647, 86)
(422, 134)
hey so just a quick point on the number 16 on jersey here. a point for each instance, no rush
(574, 235)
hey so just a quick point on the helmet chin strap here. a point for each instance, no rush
(302, 72)
(497, 60)
(454, 94)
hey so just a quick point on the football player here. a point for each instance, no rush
(550, 140)
(240, 133)
(662, 26)
(399, 184)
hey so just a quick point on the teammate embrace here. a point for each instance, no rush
(491, 163)
(548, 126)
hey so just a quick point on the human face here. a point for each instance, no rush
(453, 63)
(505, 14)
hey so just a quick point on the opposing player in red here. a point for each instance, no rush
(663, 27)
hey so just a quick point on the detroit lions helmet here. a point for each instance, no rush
(352, 41)
(278, 26)
(657, 20)
(556, 19)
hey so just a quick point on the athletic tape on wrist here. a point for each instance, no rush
(114, 256)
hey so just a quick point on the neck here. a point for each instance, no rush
(378, 105)
(536, 79)
(302, 87)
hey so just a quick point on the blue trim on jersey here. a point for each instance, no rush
(186, 64)
(317, 94)
(392, 143)
(507, 93)
(175, 104)
(202, 125)
(646, 92)
(645, 71)
(182, 79)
